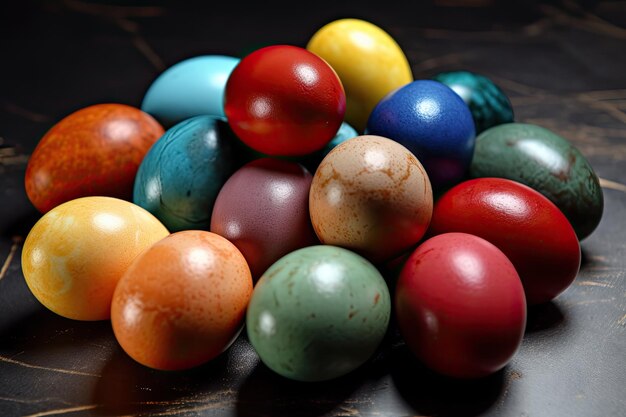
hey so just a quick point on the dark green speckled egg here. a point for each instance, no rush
(318, 313)
(487, 102)
(545, 161)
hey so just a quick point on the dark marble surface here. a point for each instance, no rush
(564, 67)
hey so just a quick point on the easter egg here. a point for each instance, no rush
(180, 177)
(263, 209)
(434, 123)
(371, 195)
(460, 306)
(530, 230)
(284, 101)
(318, 313)
(182, 302)
(368, 61)
(95, 151)
(344, 133)
(487, 102)
(550, 164)
(76, 253)
(190, 88)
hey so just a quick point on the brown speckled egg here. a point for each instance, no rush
(371, 195)
(182, 302)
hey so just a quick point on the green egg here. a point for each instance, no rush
(487, 102)
(545, 161)
(318, 313)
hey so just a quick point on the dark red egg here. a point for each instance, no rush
(530, 230)
(284, 100)
(460, 306)
(95, 151)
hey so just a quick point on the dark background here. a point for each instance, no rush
(562, 63)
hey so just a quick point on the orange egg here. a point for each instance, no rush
(76, 253)
(182, 302)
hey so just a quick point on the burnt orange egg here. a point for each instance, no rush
(95, 151)
(182, 302)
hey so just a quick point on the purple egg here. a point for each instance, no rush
(263, 209)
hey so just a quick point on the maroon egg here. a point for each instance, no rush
(264, 210)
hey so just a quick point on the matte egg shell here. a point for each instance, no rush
(460, 306)
(368, 61)
(344, 133)
(318, 313)
(530, 230)
(541, 159)
(371, 195)
(95, 151)
(263, 209)
(284, 101)
(180, 177)
(190, 88)
(76, 253)
(434, 123)
(182, 302)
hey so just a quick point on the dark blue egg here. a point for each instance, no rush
(434, 123)
(181, 175)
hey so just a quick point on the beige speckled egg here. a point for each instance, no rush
(371, 194)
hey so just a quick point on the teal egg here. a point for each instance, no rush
(318, 313)
(190, 88)
(545, 161)
(181, 175)
(487, 102)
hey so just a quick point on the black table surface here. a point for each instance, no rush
(563, 64)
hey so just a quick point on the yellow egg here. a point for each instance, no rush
(368, 61)
(76, 253)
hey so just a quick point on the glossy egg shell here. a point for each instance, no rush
(284, 101)
(180, 177)
(318, 313)
(190, 88)
(371, 195)
(95, 151)
(263, 209)
(368, 61)
(460, 306)
(487, 102)
(434, 123)
(530, 230)
(545, 161)
(76, 253)
(345, 132)
(182, 302)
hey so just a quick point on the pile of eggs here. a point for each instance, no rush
(262, 204)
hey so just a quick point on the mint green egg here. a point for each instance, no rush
(318, 313)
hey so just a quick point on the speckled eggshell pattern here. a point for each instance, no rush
(190, 88)
(76, 253)
(180, 177)
(434, 123)
(318, 313)
(487, 102)
(371, 195)
(545, 161)
(263, 210)
(182, 302)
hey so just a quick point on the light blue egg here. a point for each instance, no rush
(190, 88)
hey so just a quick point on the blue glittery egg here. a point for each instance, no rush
(434, 123)
(181, 175)
(190, 88)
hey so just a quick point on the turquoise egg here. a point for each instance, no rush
(190, 88)
(487, 102)
(181, 175)
(545, 161)
(318, 313)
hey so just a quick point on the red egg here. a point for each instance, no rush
(284, 100)
(530, 230)
(95, 151)
(460, 306)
